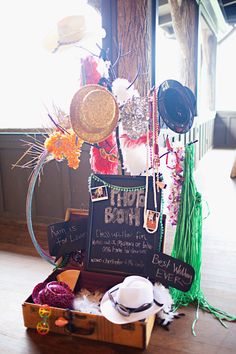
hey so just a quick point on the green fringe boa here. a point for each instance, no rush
(188, 243)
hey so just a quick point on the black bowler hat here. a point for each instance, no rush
(176, 105)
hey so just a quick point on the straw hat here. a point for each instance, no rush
(130, 301)
(176, 105)
(94, 113)
(74, 29)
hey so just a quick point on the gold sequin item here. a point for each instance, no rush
(94, 113)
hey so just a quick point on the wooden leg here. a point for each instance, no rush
(233, 171)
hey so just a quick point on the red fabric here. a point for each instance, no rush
(104, 158)
(90, 75)
(168, 145)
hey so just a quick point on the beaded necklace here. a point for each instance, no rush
(112, 186)
(154, 161)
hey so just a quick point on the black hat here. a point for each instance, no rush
(176, 105)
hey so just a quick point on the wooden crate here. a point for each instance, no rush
(93, 327)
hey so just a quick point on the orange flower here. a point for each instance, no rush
(62, 145)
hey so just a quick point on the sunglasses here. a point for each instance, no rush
(43, 326)
(127, 311)
(107, 155)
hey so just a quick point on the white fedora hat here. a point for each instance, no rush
(130, 301)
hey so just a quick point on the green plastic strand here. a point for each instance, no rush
(188, 243)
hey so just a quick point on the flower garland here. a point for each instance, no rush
(65, 145)
(174, 198)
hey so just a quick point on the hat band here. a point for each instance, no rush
(127, 311)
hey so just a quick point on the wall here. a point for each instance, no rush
(202, 131)
(60, 188)
(225, 130)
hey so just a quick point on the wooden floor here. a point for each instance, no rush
(19, 273)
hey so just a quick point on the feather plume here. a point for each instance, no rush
(90, 73)
(88, 302)
(122, 91)
(104, 156)
(134, 154)
(166, 315)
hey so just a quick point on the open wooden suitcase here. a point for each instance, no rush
(84, 325)
(97, 327)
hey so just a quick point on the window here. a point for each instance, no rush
(207, 68)
(226, 74)
(32, 78)
(168, 58)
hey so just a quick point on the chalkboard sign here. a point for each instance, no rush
(66, 237)
(171, 272)
(117, 240)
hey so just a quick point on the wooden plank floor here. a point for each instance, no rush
(19, 273)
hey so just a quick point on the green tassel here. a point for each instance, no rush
(188, 243)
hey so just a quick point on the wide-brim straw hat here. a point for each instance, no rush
(74, 29)
(94, 113)
(135, 292)
(176, 105)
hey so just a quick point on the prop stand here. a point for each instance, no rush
(29, 199)
(188, 243)
(120, 151)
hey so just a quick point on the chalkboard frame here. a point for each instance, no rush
(171, 272)
(92, 206)
(72, 213)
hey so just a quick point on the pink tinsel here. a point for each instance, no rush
(104, 158)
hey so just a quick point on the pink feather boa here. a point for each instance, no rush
(105, 158)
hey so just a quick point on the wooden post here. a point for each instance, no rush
(185, 19)
(129, 24)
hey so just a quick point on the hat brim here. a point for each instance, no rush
(176, 106)
(111, 314)
(89, 132)
(53, 42)
(192, 99)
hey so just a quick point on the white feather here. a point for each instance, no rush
(88, 302)
(121, 92)
(103, 67)
(162, 295)
(166, 315)
(135, 159)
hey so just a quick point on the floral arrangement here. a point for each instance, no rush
(176, 165)
(65, 145)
